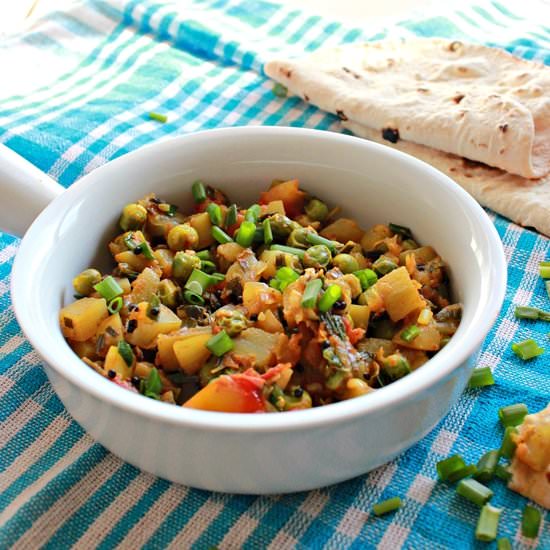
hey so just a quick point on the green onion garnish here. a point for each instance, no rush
(253, 213)
(410, 333)
(530, 522)
(126, 352)
(268, 233)
(286, 274)
(448, 466)
(547, 285)
(158, 117)
(513, 415)
(207, 266)
(288, 250)
(198, 280)
(311, 292)
(143, 246)
(199, 191)
(313, 238)
(367, 277)
(279, 90)
(544, 270)
(108, 288)
(527, 349)
(501, 471)
(487, 524)
(245, 234)
(115, 305)
(231, 216)
(152, 386)
(193, 298)
(486, 466)
(467, 471)
(215, 213)
(504, 544)
(387, 506)
(220, 343)
(220, 235)
(508, 445)
(480, 377)
(331, 295)
(526, 312)
(204, 255)
(474, 491)
(405, 232)
(216, 278)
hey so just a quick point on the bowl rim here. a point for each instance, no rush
(440, 366)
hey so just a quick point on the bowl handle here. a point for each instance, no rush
(25, 192)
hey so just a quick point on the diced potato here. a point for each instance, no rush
(145, 286)
(124, 283)
(79, 320)
(274, 207)
(343, 230)
(201, 222)
(399, 293)
(143, 369)
(148, 329)
(228, 254)
(429, 339)
(374, 235)
(234, 394)
(110, 332)
(415, 358)
(359, 315)
(191, 353)
(289, 193)
(268, 322)
(259, 344)
(372, 345)
(165, 258)
(166, 356)
(168, 397)
(422, 255)
(269, 257)
(136, 262)
(85, 349)
(258, 297)
(115, 362)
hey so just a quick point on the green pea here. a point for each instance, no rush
(183, 265)
(317, 256)
(233, 324)
(384, 265)
(169, 293)
(346, 263)
(133, 217)
(298, 238)
(282, 226)
(84, 282)
(316, 210)
(182, 237)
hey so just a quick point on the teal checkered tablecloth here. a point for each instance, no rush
(75, 91)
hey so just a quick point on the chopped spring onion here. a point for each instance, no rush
(387, 506)
(220, 235)
(193, 298)
(204, 255)
(547, 285)
(487, 524)
(367, 277)
(142, 246)
(331, 295)
(208, 266)
(279, 90)
(268, 233)
(198, 280)
(217, 277)
(313, 238)
(253, 213)
(481, 377)
(283, 277)
(530, 522)
(501, 471)
(544, 270)
(513, 415)
(486, 466)
(410, 333)
(158, 117)
(448, 466)
(311, 292)
(527, 349)
(474, 491)
(199, 191)
(245, 234)
(215, 213)
(405, 232)
(526, 312)
(108, 288)
(115, 305)
(288, 250)
(508, 445)
(220, 343)
(504, 544)
(231, 216)
(125, 351)
(469, 470)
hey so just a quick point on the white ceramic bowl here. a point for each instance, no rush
(247, 453)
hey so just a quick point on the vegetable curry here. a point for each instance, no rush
(280, 306)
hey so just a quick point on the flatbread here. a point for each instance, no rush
(468, 100)
(524, 201)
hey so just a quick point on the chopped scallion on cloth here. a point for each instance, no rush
(502, 472)
(527, 349)
(468, 470)
(386, 506)
(486, 466)
(481, 376)
(279, 90)
(158, 117)
(513, 415)
(220, 343)
(474, 491)
(530, 522)
(504, 544)
(449, 465)
(508, 445)
(533, 313)
(544, 270)
(487, 524)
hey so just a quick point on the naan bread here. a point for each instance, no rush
(524, 201)
(469, 100)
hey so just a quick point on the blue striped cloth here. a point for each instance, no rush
(76, 89)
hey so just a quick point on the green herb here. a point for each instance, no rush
(487, 524)
(158, 117)
(331, 295)
(288, 250)
(220, 235)
(204, 255)
(245, 234)
(527, 349)
(268, 233)
(508, 445)
(220, 343)
(231, 216)
(486, 466)
(199, 191)
(405, 232)
(410, 333)
(311, 293)
(152, 385)
(367, 277)
(125, 351)
(386, 506)
(279, 90)
(513, 415)
(530, 522)
(215, 213)
(108, 288)
(481, 377)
